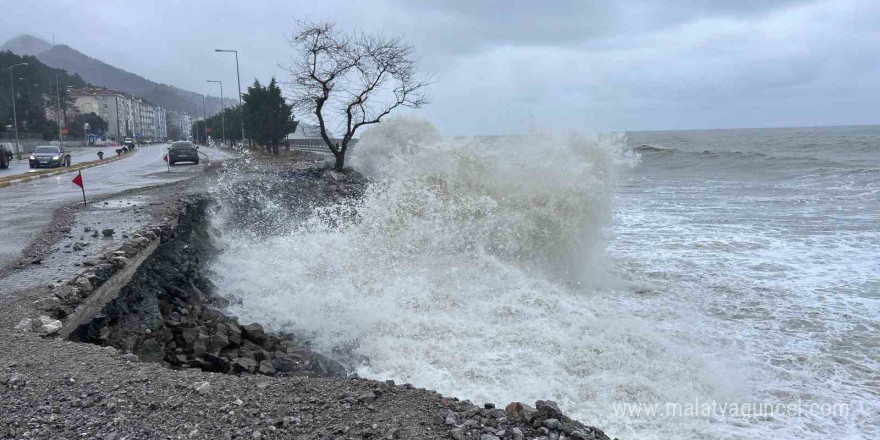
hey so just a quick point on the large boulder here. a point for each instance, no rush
(549, 409)
(266, 368)
(254, 332)
(216, 343)
(283, 364)
(233, 333)
(244, 365)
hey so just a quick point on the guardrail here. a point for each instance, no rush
(314, 144)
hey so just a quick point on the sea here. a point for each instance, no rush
(713, 284)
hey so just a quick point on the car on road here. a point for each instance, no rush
(128, 142)
(5, 157)
(183, 151)
(49, 156)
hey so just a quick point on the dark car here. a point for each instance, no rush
(183, 151)
(49, 156)
(5, 157)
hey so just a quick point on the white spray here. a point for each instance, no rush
(467, 273)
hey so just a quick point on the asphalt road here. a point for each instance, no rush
(26, 208)
(77, 155)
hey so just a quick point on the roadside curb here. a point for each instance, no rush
(66, 170)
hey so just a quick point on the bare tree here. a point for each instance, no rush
(349, 81)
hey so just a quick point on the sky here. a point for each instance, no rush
(508, 66)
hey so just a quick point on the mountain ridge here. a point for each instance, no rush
(99, 73)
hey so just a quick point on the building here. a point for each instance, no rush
(126, 115)
(108, 104)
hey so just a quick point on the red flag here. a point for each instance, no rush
(165, 158)
(78, 180)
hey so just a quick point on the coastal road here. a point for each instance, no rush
(77, 155)
(26, 208)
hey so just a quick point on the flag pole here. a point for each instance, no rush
(82, 187)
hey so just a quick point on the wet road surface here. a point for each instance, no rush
(26, 208)
(77, 155)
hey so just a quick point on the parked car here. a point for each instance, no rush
(5, 157)
(49, 156)
(183, 151)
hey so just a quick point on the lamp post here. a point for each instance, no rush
(222, 110)
(205, 118)
(240, 103)
(14, 116)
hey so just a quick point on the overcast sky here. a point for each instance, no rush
(507, 66)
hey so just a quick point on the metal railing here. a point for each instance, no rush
(314, 144)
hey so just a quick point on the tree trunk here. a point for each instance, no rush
(340, 162)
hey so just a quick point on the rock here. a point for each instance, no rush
(367, 397)
(219, 363)
(253, 332)
(262, 355)
(233, 333)
(151, 351)
(128, 357)
(47, 325)
(266, 368)
(450, 420)
(108, 232)
(217, 342)
(129, 250)
(553, 424)
(189, 335)
(549, 408)
(489, 437)
(521, 411)
(244, 365)
(457, 434)
(200, 345)
(25, 325)
(283, 364)
(203, 388)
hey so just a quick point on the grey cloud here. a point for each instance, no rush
(507, 66)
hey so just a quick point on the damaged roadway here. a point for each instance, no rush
(52, 387)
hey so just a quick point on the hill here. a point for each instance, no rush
(99, 73)
(37, 79)
(26, 45)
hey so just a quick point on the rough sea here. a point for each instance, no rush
(718, 284)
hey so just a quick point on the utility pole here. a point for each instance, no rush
(14, 116)
(240, 102)
(58, 102)
(222, 110)
(205, 118)
(116, 97)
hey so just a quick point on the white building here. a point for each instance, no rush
(126, 115)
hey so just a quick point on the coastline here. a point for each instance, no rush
(120, 394)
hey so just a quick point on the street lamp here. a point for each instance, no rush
(240, 104)
(222, 110)
(205, 117)
(14, 116)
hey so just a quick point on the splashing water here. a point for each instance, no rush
(475, 268)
